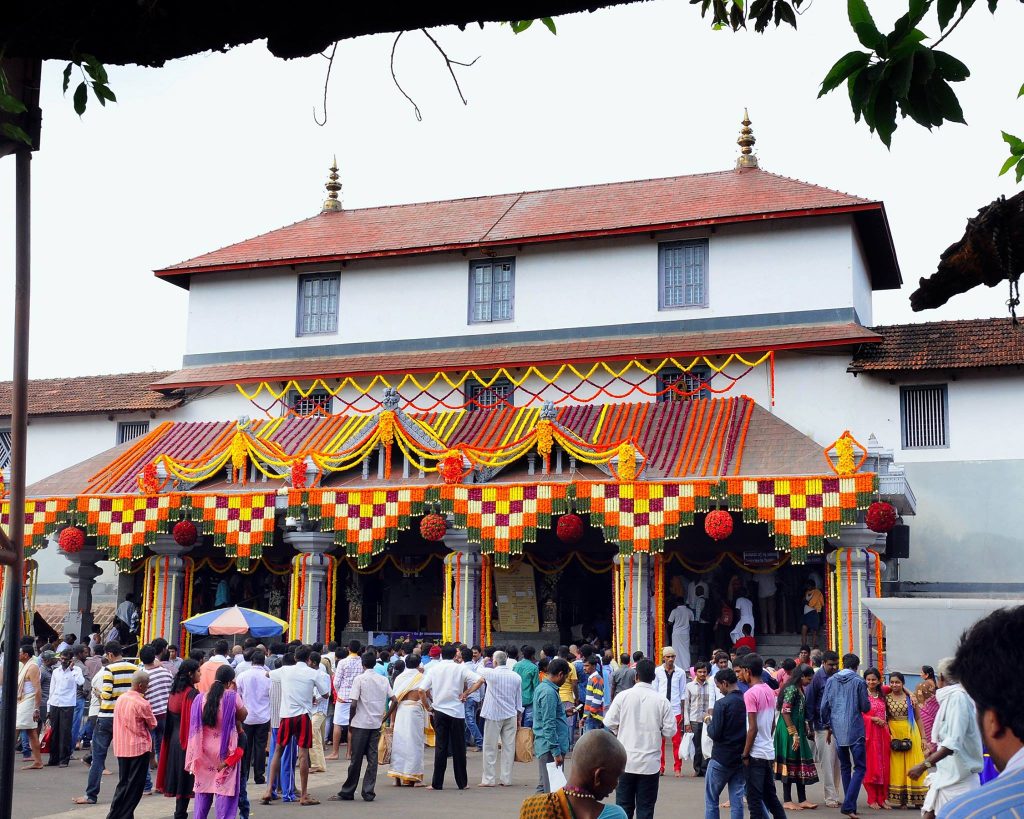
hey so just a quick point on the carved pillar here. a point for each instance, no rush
(164, 590)
(851, 579)
(633, 602)
(462, 574)
(82, 572)
(314, 582)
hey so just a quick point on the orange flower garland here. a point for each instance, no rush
(544, 442)
(386, 427)
(239, 457)
(627, 462)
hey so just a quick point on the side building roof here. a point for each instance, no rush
(91, 395)
(942, 345)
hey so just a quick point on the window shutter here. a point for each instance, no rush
(130, 430)
(924, 416)
(5, 448)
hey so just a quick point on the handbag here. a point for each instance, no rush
(387, 738)
(901, 745)
(44, 741)
(524, 745)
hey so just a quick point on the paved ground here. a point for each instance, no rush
(48, 793)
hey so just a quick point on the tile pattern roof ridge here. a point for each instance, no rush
(942, 345)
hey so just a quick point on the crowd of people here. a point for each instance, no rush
(205, 727)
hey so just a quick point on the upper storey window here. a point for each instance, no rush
(318, 304)
(682, 274)
(491, 290)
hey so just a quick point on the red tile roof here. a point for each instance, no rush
(615, 348)
(551, 215)
(124, 392)
(943, 345)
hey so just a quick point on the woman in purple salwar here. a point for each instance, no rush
(213, 753)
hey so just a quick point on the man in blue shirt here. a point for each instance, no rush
(728, 731)
(844, 701)
(550, 730)
(988, 662)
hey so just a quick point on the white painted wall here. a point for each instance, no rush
(769, 267)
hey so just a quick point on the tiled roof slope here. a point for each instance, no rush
(124, 392)
(615, 348)
(943, 345)
(586, 211)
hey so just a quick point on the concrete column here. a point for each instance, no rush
(168, 561)
(312, 628)
(462, 619)
(82, 571)
(854, 627)
(633, 615)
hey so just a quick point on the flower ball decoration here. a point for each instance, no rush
(184, 533)
(881, 517)
(718, 524)
(433, 527)
(570, 528)
(71, 540)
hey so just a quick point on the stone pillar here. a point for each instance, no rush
(167, 567)
(82, 572)
(309, 622)
(851, 581)
(633, 626)
(462, 619)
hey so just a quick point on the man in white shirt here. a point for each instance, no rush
(370, 693)
(64, 682)
(642, 719)
(670, 683)
(254, 689)
(700, 698)
(445, 682)
(503, 703)
(299, 682)
(317, 763)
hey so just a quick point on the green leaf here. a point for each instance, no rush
(11, 104)
(1013, 160)
(1016, 144)
(1020, 171)
(885, 115)
(81, 98)
(946, 10)
(864, 26)
(949, 67)
(947, 102)
(95, 68)
(845, 66)
(12, 131)
(519, 26)
(900, 73)
(67, 76)
(909, 44)
(918, 9)
(1021, 92)
(924, 66)
(859, 85)
(784, 12)
(550, 23)
(103, 93)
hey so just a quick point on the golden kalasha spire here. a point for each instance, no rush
(332, 202)
(746, 159)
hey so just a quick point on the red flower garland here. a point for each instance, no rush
(71, 540)
(148, 481)
(451, 469)
(718, 524)
(299, 474)
(570, 528)
(184, 533)
(433, 527)
(881, 517)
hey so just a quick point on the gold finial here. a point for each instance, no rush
(332, 202)
(746, 159)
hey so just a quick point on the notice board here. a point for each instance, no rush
(516, 596)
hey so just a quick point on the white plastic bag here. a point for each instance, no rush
(705, 743)
(686, 746)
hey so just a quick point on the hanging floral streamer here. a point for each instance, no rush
(42, 516)
(188, 584)
(879, 633)
(659, 604)
(125, 525)
(242, 523)
(446, 603)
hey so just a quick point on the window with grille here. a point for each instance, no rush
(318, 402)
(318, 304)
(683, 274)
(491, 290)
(5, 448)
(690, 384)
(924, 416)
(496, 396)
(130, 430)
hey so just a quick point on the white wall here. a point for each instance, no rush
(770, 267)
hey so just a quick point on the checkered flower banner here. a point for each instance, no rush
(801, 512)
(363, 520)
(42, 516)
(640, 516)
(125, 525)
(242, 523)
(502, 518)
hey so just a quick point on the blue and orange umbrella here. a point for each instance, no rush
(235, 620)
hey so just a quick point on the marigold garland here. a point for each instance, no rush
(627, 462)
(298, 474)
(239, 457)
(71, 540)
(544, 442)
(386, 429)
(149, 483)
(451, 468)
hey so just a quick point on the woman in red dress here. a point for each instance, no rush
(876, 744)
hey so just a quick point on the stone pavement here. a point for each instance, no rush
(48, 793)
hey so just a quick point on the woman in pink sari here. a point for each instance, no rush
(927, 708)
(213, 754)
(876, 743)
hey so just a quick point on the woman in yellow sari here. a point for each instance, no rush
(408, 715)
(907, 749)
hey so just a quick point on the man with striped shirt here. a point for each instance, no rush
(115, 680)
(157, 694)
(593, 706)
(503, 703)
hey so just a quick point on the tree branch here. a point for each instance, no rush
(949, 30)
(412, 102)
(327, 80)
(449, 62)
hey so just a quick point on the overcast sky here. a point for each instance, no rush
(217, 148)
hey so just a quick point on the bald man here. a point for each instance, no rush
(598, 761)
(133, 746)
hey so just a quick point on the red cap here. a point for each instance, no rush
(435, 651)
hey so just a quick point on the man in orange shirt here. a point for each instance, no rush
(133, 746)
(208, 670)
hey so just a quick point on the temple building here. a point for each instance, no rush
(543, 417)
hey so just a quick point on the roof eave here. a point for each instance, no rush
(181, 275)
(883, 264)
